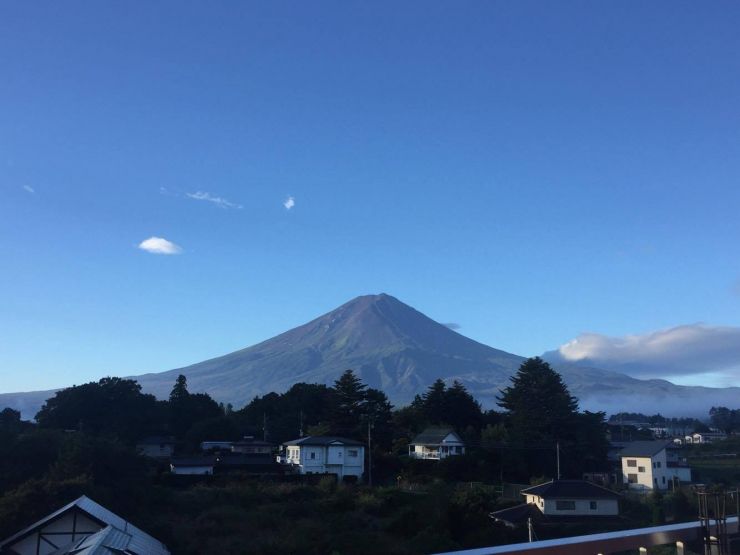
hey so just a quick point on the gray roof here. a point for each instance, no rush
(323, 440)
(109, 541)
(644, 448)
(434, 435)
(140, 542)
(570, 489)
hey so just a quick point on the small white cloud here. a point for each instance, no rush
(159, 245)
(218, 201)
(289, 203)
(29, 189)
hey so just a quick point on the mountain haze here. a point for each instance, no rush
(398, 349)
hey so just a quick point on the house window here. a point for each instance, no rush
(562, 505)
(663, 479)
(592, 505)
(313, 455)
(632, 478)
(352, 452)
(631, 462)
(659, 464)
(640, 469)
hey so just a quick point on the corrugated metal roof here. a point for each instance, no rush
(141, 543)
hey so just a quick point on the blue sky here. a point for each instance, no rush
(529, 170)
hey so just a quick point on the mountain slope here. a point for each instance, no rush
(401, 351)
(389, 344)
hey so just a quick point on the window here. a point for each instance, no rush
(632, 478)
(631, 462)
(663, 479)
(562, 505)
(313, 455)
(592, 505)
(352, 452)
(640, 469)
(659, 464)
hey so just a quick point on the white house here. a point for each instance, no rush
(648, 465)
(82, 527)
(436, 444)
(704, 437)
(561, 499)
(325, 455)
(156, 447)
(572, 498)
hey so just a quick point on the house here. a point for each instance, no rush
(649, 465)
(251, 446)
(255, 464)
(560, 500)
(572, 498)
(156, 447)
(704, 437)
(324, 455)
(193, 466)
(436, 443)
(82, 527)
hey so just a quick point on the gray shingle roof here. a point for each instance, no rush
(644, 448)
(570, 489)
(433, 435)
(322, 440)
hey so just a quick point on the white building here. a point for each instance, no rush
(436, 444)
(704, 437)
(648, 465)
(82, 527)
(325, 455)
(572, 498)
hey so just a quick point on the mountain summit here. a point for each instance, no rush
(389, 344)
(398, 349)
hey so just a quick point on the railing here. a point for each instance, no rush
(604, 544)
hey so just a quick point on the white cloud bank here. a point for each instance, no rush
(289, 203)
(680, 351)
(159, 245)
(29, 189)
(218, 201)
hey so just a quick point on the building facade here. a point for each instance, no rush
(325, 455)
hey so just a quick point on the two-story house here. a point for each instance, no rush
(324, 455)
(649, 465)
(436, 443)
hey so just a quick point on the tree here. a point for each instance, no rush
(539, 406)
(724, 419)
(112, 405)
(349, 397)
(179, 391)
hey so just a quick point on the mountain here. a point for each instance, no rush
(395, 348)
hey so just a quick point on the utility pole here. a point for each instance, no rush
(300, 427)
(369, 454)
(557, 451)
(530, 530)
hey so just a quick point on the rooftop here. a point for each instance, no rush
(434, 435)
(570, 489)
(322, 440)
(644, 448)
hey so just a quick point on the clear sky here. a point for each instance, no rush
(528, 170)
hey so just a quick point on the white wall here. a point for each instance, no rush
(62, 529)
(655, 472)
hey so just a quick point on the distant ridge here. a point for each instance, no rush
(398, 349)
